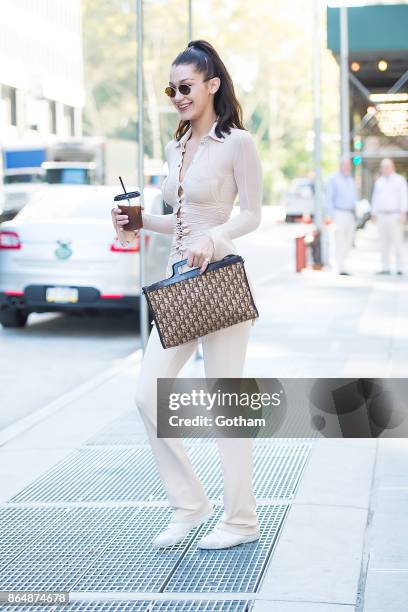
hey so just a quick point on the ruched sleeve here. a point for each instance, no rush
(163, 224)
(248, 178)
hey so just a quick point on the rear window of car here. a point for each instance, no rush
(62, 205)
(71, 205)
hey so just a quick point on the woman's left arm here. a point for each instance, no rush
(248, 177)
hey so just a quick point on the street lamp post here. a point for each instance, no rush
(317, 162)
(140, 158)
(190, 20)
(344, 83)
(197, 355)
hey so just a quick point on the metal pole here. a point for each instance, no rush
(318, 213)
(197, 355)
(140, 169)
(190, 21)
(344, 83)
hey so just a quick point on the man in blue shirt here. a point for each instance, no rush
(341, 209)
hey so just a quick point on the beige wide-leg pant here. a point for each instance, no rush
(344, 225)
(224, 355)
(390, 232)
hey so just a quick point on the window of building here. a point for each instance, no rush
(69, 120)
(9, 95)
(52, 117)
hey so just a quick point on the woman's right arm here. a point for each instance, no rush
(163, 224)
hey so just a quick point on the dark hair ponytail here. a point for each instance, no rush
(206, 60)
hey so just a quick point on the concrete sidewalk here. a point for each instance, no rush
(343, 545)
(339, 544)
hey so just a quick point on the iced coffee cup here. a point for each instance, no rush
(133, 211)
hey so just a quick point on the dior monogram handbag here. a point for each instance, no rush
(191, 305)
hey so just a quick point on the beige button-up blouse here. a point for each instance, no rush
(221, 168)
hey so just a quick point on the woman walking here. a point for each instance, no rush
(211, 159)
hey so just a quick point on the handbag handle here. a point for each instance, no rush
(178, 264)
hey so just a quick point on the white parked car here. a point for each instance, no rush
(60, 253)
(298, 200)
(19, 185)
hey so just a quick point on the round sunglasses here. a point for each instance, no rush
(183, 89)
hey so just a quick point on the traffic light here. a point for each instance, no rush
(358, 143)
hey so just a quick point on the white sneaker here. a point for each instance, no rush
(219, 538)
(176, 532)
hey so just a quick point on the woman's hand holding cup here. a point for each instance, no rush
(119, 220)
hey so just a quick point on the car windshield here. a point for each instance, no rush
(299, 184)
(68, 176)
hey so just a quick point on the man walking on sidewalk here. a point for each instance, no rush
(389, 207)
(341, 208)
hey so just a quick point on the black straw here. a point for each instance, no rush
(124, 188)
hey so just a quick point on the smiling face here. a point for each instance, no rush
(201, 96)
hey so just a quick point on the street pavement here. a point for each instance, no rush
(342, 544)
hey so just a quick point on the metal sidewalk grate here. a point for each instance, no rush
(64, 550)
(97, 549)
(127, 429)
(130, 474)
(96, 474)
(140, 606)
(130, 562)
(237, 570)
(278, 468)
(162, 606)
(20, 526)
(109, 549)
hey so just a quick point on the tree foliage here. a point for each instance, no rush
(267, 48)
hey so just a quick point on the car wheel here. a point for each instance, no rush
(13, 317)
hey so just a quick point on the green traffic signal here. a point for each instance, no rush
(358, 144)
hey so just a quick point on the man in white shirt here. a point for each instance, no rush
(389, 209)
(340, 207)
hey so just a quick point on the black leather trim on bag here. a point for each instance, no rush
(176, 276)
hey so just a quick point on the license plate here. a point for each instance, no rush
(61, 294)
